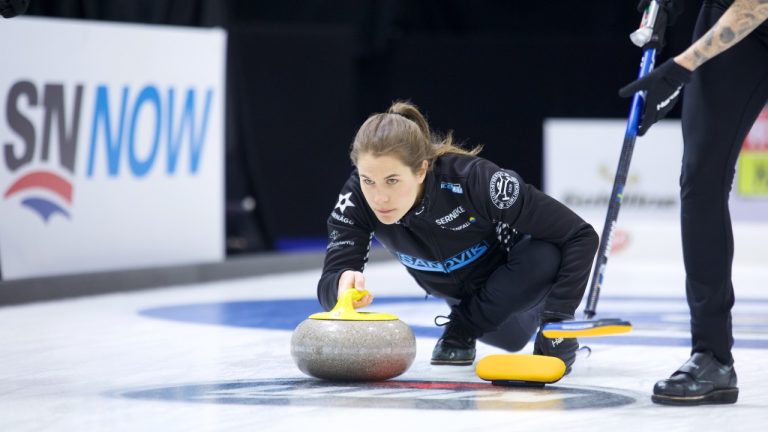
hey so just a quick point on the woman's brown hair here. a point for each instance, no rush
(403, 132)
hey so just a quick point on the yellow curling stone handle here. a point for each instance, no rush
(345, 311)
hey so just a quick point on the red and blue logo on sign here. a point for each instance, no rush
(41, 116)
(45, 180)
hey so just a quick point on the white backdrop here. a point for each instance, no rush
(141, 182)
(580, 161)
(749, 196)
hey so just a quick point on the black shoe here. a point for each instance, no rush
(701, 380)
(457, 345)
(562, 348)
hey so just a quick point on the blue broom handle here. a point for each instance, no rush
(630, 135)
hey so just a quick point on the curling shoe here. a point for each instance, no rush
(701, 380)
(457, 345)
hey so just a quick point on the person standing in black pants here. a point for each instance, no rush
(725, 74)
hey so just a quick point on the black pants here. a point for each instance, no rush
(507, 307)
(720, 105)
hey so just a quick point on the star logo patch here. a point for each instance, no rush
(344, 202)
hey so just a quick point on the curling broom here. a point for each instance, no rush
(611, 326)
(518, 370)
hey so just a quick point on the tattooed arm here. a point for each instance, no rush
(737, 22)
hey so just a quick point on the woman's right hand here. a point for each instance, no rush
(354, 280)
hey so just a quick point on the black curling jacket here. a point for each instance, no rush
(454, 238)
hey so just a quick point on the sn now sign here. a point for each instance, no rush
(111, 146)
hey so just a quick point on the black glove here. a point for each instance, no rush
(662, 86)
(564, 349)
(11, 8)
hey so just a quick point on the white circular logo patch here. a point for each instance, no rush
(504, 190)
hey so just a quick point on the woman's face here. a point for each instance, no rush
(389, 186)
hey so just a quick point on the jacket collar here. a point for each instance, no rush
(424, 205)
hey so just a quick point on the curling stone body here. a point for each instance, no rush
(353, 350)
(347, 345)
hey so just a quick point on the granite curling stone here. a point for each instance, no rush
(346, 345)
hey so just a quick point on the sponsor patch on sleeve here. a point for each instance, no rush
(504, 189)
(453, 187)
(344, 202)
(342, 218)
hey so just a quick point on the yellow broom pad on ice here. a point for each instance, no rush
(520, 369)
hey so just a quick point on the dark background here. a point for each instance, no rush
(302, 76)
